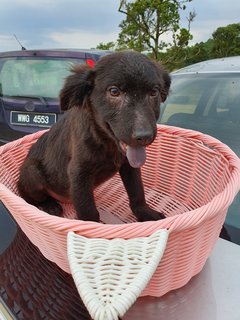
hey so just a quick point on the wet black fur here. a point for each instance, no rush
(116, 101)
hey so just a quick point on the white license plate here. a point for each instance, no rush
(32, 119)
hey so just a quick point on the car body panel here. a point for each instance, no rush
(220, 65)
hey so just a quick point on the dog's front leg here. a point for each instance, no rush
(132, 181)
(81, 191)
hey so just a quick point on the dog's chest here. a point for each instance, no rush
(107, 167)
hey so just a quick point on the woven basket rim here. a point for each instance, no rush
(177, 223)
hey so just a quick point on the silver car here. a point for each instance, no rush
(206, 97)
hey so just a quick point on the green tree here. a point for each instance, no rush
(200, 51)
(176, 56)
(226, 41)
(148, 20)
(106, 46)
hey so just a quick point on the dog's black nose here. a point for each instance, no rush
(143, 138)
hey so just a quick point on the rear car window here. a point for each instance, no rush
(203, 95)
(206, 103)
(35, 76)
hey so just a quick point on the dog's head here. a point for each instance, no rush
(124, 90)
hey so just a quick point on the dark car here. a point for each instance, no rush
(30, 81)
(206, 97)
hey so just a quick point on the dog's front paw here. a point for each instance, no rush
(145, 213)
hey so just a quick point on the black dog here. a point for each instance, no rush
(111, 118)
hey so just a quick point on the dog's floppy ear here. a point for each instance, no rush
(77, 87)
(166, 85)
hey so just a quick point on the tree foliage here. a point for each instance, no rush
(226, 41)
(106, 46)
(176, 56)
(147, 21)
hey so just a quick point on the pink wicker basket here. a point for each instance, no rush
(189, 176)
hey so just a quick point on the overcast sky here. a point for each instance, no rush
(86, 23)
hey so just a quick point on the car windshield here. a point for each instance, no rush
(39, 76)
(209, 103)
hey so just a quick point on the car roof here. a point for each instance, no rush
(69, 53)
(221, 65)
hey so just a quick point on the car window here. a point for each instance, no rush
(207, 103)
(34, 76)
(184, 97)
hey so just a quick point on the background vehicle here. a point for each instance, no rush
(30, 82)
(31, 287)
(206, 97)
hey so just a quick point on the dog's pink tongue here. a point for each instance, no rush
(136, 156)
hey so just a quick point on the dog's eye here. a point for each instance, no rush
(114, 91)
(154, 92)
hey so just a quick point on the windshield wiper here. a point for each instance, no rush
(42, 99)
